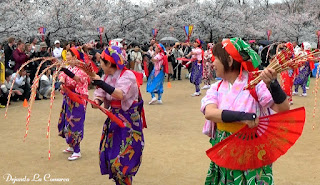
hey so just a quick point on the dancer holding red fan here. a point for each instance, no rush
(156, 78)
(120, 148)
(197, 65)
(72, 116)
(228, 107)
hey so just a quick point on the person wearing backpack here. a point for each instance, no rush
(228, 107)
(120, 148)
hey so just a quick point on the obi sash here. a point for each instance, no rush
(117, 104)
(230, 127)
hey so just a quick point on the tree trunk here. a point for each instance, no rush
(105, 34)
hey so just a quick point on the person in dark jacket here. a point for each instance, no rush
(8, 50)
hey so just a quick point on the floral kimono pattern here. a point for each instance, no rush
(72, 116)
(287, 78)
(71, 122)
(208, 71)
(121, 148)
(302, 78)
(197, 67)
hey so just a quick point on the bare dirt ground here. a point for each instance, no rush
(174, 153)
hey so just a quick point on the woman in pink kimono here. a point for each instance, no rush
(227, 103)
(208, 72)
(156, 79)
(72, 116)
(197, 65)
(120, 148)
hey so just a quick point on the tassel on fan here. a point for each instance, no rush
(260, 146)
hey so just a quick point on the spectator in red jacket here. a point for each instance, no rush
(19, 55)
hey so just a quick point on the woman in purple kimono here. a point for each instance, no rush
(120, 148)
(72, 116)
(197, 66)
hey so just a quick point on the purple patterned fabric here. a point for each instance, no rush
(303, 75)
(196, 73)
(71, 122)
(121, 148)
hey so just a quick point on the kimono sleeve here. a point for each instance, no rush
(84, 78)
(210, 98)
(62, 75)
(197, 51)
(264, 95)
(99, 93)
(158, 57)
(126, 82)
(82, 87)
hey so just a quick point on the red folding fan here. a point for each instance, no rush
(185, 59)
(254, 148)
(73, 96)
(91, 63)
(80, 99)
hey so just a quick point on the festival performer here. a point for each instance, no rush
(72, 116)
(303, 73)
(208, 72)
(287, 78)
(155, 81)
(196, 71)
(120, 148)
(229, 107)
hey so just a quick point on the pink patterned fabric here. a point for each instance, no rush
(237, 99)
(158, 64)
(79, 87)
(197, 54)
(127, 83)
(124, 54)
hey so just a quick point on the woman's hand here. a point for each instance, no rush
(252, 123)
(97, 77)
(94, 106)
(61, 88)
(62, 80)
(268, 75)
(76, 78)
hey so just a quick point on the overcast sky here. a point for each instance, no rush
(275, 1)
(137, 1)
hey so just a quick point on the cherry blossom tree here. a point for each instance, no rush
(290, 20)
